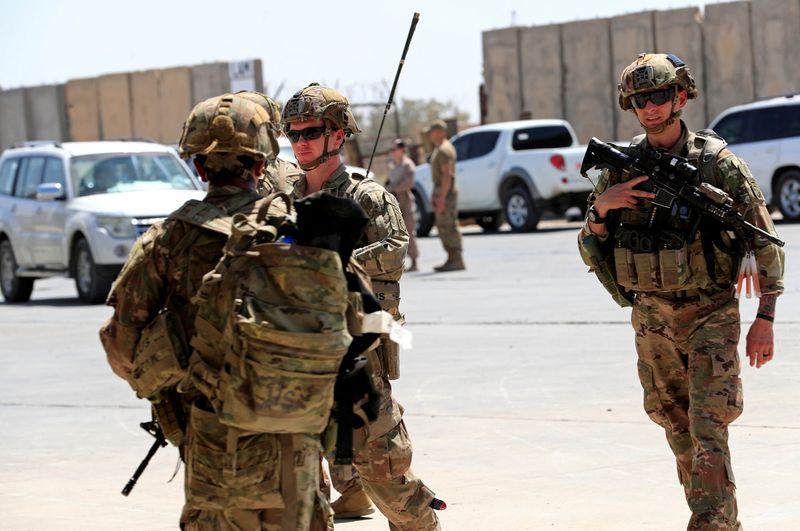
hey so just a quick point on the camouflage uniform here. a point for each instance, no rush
(279, 176)
(687, 336)
(382, 449)
(447, 221)
(401, 182)
(234, 479)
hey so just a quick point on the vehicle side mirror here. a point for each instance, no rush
(50, 192)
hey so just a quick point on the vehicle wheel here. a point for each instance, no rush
(788, 191)
(519, 210)
(490, 223)
(92, 287)
(15, 289)
(423, 217)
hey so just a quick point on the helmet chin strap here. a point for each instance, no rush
(326, 155)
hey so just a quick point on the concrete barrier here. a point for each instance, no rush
(13, 121)
(588, 90)
(209, 80)
(727, 56)
(776, 47)
(145, 104)
(83, 111)
(175, 100)
(501, 73)
(46, 116)
(630, 35)
(542, 75)
(114, 94)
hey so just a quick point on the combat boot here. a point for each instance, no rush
(455, 262)
(352, 504)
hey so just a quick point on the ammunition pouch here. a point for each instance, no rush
(388, 353)
(160, 358)
(169, 413)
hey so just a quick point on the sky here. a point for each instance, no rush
(353, 45)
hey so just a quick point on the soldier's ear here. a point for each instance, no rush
(683, 97)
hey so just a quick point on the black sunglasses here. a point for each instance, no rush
(658, 97)
(309, 133)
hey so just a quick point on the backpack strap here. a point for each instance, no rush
(704, 148)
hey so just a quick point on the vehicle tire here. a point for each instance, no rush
(14, 288)
(490, 223)
(520, 210)
(423, 216)
(92, 287)
(788, 195)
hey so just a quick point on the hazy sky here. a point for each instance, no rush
(353, 45)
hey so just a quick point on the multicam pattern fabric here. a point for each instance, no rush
(382, 450)
(324, 103)
(279, 176)
(686, 340)
(401, 182)
(652, 71)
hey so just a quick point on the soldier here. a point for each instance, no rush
(235, 479)
(685, 312)
(401, 182)
(317, 119)
(445, 196)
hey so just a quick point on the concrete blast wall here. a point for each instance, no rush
(210, 80)
(502, 74)
(114, 92)
(83, 111)
(13, 123)
(630, 36)
(542, 76)
(46, 119)
(776, 47)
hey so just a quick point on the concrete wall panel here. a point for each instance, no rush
(501, 74)
(542, 83)
(47, 119)
(13, 121)
(588, 92)
(175, 96)
(145, 104)
(728, 57)
(114, 92)
(776, 47)
(630, 35)
(209, 80)
(83, 110)
(680, 32)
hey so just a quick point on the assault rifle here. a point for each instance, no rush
(671, 178)
(153, 429)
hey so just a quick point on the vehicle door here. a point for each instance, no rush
(476, 169)
(8, 204)
(48, 244)
(24, 209)
(752, 135)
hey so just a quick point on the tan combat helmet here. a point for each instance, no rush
(316, 102)
(224, 127)
(651, 72)
(273, 111)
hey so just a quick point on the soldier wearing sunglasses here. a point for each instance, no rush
(317, 120)
(685, 311)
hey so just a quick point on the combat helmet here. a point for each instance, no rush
(651, 72)
(316, 102)
(222, 128)
(273, 111)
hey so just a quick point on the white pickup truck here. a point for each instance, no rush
(512, 171)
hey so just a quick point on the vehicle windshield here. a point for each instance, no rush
(115, 173)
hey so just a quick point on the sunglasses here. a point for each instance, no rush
(658, 97)
(309, 133)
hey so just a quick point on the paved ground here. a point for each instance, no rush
(521, 396)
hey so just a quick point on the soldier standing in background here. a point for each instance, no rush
(400, 184)
(234, 479)
(445, 196)
(685, 314)
(317, 120)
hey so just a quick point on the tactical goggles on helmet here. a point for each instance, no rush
(309, 133)
(658, 97)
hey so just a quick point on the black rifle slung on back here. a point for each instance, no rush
(671, 178)
(153, 429)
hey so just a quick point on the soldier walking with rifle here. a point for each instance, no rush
(678, 228)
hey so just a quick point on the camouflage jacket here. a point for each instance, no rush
(382, 250)
(732, 175)
(279, 176)
(167, 262)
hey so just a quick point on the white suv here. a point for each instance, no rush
(766, 134)
(76, 208)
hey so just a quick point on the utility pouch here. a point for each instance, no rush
(646, 265)
(171, 417)
(674, 268)
(388, 353)
(160, 358)
(625, 268)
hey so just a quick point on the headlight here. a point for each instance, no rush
(117, 227)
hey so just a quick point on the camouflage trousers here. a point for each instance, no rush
(239, 480)
(689, 369)
(382, 466)
(447, 223)
(408, 207)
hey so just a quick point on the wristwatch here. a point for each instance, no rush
(594, 217)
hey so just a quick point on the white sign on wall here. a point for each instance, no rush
(243, 75)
